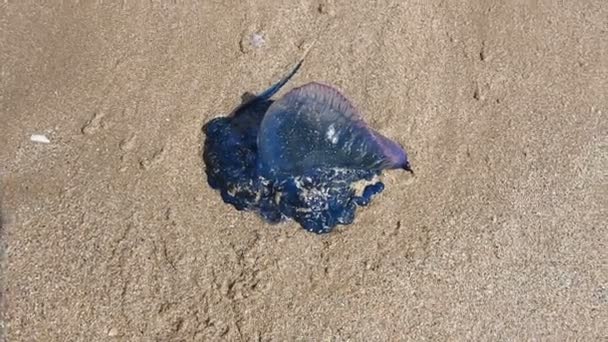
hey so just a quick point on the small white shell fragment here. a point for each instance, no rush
(40, 138)
(257, 40)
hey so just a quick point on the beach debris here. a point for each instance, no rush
(250, 41)
(39, 138)
(94, 124)
(257, 40)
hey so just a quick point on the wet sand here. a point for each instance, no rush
(110, 231)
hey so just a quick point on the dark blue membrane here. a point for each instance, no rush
(319, 200)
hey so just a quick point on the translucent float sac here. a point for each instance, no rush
(308, 156)
(315, 126)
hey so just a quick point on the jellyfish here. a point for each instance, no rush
(307, 156)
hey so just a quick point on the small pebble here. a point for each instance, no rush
(113, 332)
(127, 144)
(326, 7)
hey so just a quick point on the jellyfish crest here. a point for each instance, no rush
(256, 105)
(268, 93)
(315, 126)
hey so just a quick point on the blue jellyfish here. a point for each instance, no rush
(307, 156)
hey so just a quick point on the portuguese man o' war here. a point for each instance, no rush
(308, 156)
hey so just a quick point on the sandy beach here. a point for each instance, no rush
(110, 231)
